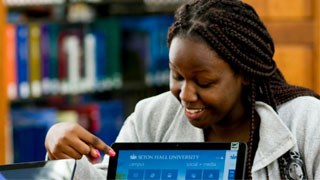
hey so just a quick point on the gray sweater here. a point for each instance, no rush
(291, 135)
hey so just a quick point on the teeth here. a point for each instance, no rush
(193, 110)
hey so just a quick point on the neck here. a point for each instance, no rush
(237, 130)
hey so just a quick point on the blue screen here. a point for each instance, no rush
(176, 164)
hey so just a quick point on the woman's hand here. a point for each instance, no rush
(70, 140)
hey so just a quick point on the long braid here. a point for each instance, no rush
(252, 129)
(234, 30)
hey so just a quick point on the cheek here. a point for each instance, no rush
(174, 87)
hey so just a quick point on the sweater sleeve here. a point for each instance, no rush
(308, 135)
(302, 115)
(86, 170)
(312, 140)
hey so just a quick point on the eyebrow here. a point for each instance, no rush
(196, 71)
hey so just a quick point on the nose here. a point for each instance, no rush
(188, 93)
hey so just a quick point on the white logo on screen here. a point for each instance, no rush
(234, 146)
(133, 157)
(233, 156)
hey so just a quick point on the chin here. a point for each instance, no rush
(199, 124)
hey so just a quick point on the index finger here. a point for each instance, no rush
(96, 142)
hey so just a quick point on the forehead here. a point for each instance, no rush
(193, 54)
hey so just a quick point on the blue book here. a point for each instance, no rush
(53, 34)
(22, 61)
(101, 59)
(157, 69)
(159, 66)
(30, 127)
(111, 120)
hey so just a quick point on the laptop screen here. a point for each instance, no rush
(183, 163)
(54, 169)
(171, 164)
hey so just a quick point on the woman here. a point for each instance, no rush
(224, 86)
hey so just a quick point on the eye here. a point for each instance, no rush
(205, 84)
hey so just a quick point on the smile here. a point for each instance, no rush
(193, 111)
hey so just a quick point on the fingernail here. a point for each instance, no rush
(98, 153)
(112, 153)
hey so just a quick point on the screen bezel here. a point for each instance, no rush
(241, 157)
(35, 164)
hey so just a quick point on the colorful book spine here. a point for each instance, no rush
(101, 61)
(29, 131)
(10, 59)
(22, 61)
(62, 63)
(90, 46)
(113, 52)
(100, 29)
(53, 32)
(45, 48)
(34, 60)
(72, 48)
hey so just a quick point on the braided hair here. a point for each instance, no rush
(234, 30)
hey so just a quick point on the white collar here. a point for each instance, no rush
(275, 137)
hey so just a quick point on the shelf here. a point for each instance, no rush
(129, 94)
(102, 8)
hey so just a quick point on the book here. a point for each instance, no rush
(53, 34)
(44, 51)
(34, 59)
(68, 116)
(10, 61)
(62, 63)
(108, 53)
(114, 65)
(73, 49)
(111, 120)
(23, 61)
(70, 59)
(156, 59)
(30, 126)
(136, 55)
(90, 51)
(88, 115)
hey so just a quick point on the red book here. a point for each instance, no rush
(88, 114)
(62, 58)
(10, 61)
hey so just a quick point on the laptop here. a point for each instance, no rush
(40, 170)
(176, 161)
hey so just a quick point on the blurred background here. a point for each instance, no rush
(90, 61)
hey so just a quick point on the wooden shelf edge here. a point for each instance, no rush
(4, 123)
(316, 66)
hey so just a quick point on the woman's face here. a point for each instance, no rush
(206, 86)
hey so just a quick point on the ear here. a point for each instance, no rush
(245, 80)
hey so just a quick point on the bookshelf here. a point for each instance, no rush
(133, 89)
(3, 96)
(276, 23)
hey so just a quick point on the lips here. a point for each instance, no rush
(193, 113)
